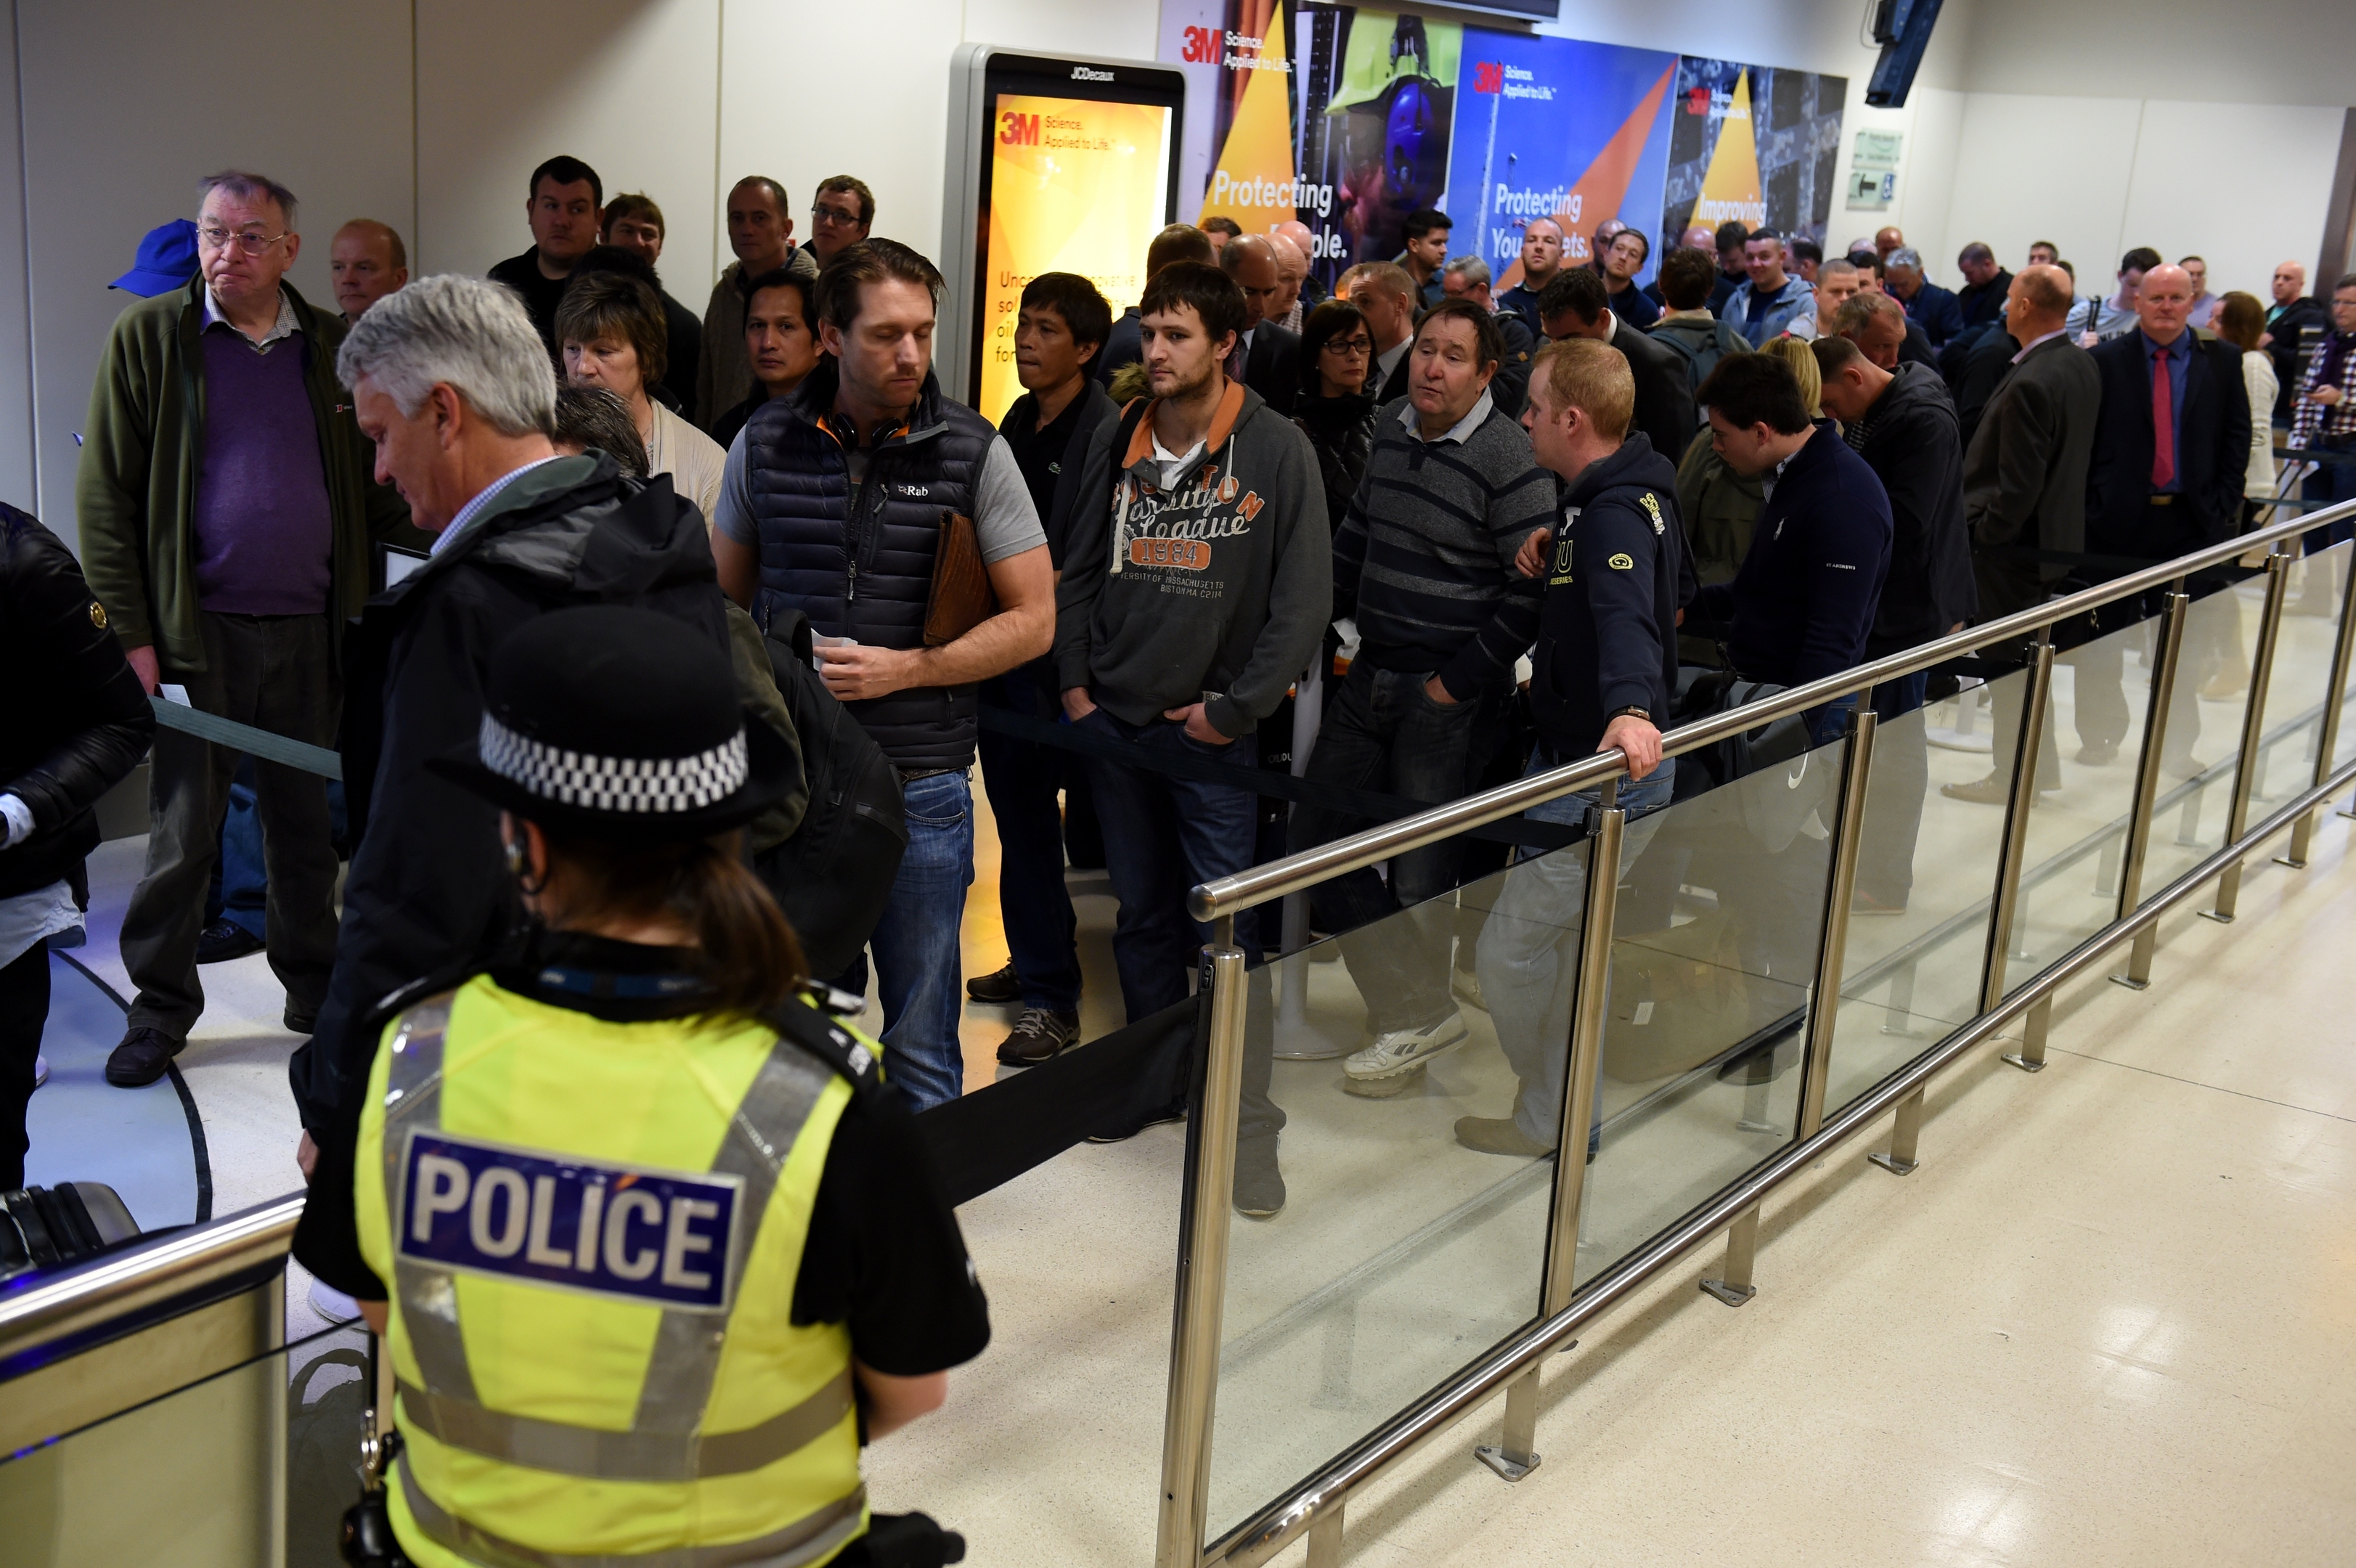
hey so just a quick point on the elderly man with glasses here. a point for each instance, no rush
(227, 516)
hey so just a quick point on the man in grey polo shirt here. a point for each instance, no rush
(847, 500)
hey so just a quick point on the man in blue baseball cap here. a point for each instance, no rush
(166, 261)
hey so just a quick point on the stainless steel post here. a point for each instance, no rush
(1733, 1286)
(1202, 1224)
(2016, 821)
(1832, 940)
(2147, 771)
(1515, 1454)
(2327, 740)
(1295, 1040)
(1905, 1137)
(2030, 1057)
(2253, 731)
(1325, 1539)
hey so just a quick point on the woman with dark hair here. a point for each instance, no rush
(644, 1222)
(1622, 259)
(1335, 410)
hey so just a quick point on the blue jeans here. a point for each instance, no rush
(1161, 836)
(1382, 732)
(1023, 778)
(916, 943)
(1529, 959)
(241, 886)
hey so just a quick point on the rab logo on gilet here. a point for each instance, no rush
(662, 1238)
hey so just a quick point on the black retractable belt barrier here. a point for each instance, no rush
(266, 744)
(988, 1138)
(1372, 804)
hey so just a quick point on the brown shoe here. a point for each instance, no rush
(1993, 790)
(1039, 1035)
(1498, 1134)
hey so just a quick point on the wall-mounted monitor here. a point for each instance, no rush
(1055, 165)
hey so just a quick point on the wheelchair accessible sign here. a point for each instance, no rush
(660, 1238)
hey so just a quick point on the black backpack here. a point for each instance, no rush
(833, 875)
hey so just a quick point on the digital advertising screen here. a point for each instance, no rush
(1055, 165)
(1077, 185)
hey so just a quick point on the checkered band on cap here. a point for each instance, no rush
(635, 785)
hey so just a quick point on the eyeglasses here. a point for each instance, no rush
(247, 240)
(841, 216)
(1349, 347)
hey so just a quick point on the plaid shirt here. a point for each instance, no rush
(2334, 365)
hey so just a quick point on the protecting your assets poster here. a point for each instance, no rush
(1345, 120)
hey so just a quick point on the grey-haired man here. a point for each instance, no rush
(453, 388)
(225, 522)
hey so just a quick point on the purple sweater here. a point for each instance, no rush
(264, 533)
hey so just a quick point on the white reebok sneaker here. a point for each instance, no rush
(1396, 1051)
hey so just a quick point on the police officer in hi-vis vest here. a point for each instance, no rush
(663, 1249)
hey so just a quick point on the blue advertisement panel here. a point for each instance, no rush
(1556, 128)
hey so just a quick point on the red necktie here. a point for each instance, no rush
(2163, 424)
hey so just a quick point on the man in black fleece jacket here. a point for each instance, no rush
(1802, 606)
(1606, 661)
(1424, 563)
(1903, 426)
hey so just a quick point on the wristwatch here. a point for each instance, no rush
(1643, 713)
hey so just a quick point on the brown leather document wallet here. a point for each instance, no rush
(961, 597)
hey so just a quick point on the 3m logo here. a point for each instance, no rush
(1018, 130)
(1488, 76)
(1698, 100)
(1202, 46)
(1185, 555)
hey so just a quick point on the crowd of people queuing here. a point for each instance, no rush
(1516, 511)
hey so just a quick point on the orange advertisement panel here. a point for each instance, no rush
(1075, 185)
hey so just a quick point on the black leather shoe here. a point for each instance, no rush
(998, 987)
(1040, 1034)
(300, 1023)
(223, 940)
(142, 1057)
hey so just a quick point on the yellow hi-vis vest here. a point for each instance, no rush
(591, 1232)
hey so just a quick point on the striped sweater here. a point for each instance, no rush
(1424, 559)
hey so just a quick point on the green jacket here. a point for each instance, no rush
(136, 491)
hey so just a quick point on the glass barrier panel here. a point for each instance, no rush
(2077, 826)
(2200, 755)
(1721, 906)
(1926, 873)
(2295, 692)
(1403, 1249)
(253, 1464)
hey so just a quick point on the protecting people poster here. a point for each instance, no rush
(1348, 119)
(1067, 195)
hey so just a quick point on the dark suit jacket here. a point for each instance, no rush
(2025, 472)
(1272, 366)
(1664, 401)
(2212, 438)
(1394, 385)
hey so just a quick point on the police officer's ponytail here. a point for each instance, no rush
(749, 956)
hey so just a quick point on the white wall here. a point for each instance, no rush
(2007, 138)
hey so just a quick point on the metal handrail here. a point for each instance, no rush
(1297, 873)
(147, 1274)
(1279, 1523)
